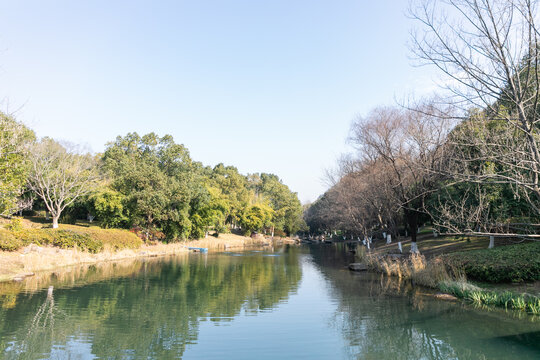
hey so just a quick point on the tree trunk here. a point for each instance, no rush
(411, 217)
(55, 221)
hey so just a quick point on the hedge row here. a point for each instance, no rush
(92, 240)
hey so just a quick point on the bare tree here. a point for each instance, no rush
(408, 147)
(59, 175)
(489, 50)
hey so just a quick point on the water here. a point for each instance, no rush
(299, 303)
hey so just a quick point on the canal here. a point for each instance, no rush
(290, 302)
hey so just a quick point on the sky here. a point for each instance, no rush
(266, 86)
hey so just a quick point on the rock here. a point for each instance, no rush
(358, 267)
(20, 277)
(442, 296)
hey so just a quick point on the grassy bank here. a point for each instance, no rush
(479, 296)
(451, 278)
(514, 263)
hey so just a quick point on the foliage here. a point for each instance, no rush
(160, 189)
(15, 139)
(15, 224)
(154, 176)
(60, 175)
(512, 263)
(9, 242)
(256, 217)
(107, 205)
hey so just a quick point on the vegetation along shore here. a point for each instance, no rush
(143, 196)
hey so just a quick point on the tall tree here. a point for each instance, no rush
(15, 141)
(489, 50)
(59, 175)
(408, 146)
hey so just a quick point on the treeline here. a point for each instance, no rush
(147, 183)
(467, 161)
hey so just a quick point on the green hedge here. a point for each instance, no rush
(511, 263)
(14, 240)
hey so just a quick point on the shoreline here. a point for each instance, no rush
(17, 265)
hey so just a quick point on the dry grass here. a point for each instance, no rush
(227, 241)
(416, 268)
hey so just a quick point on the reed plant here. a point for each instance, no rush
(450, 279)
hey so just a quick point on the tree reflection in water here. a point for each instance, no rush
(152, 309)
(384, 318)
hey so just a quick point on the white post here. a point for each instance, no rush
(399, 247)
(414, 248)
(389, 239)
(435, 234)
(491, 242)
(384, 235)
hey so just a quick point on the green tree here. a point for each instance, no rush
(15, 140)
(108, 206)
(156, 177)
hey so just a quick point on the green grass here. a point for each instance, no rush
(506, 299)
(511, 263)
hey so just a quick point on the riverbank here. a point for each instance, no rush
(41, 250)
(448, 274)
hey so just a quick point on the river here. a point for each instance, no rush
(291, 302)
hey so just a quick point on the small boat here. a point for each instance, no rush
(197, 249)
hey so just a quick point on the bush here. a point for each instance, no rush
(34, 236)
(68, 239)
(8, 242)
(56, 237)
(15, 224)
(512, 263)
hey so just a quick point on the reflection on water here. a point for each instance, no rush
(296, 302)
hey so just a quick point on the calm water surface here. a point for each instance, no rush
(288, 303)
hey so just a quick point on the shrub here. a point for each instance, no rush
(8, 242)
(34, 236)
(512, 263)
(68, 239)
(15, 224)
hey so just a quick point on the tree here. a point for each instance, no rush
(59, 175)
(409, 149)
(489, 50)
(15, 141)
(108, 206)
(158, 181)
(256, 217)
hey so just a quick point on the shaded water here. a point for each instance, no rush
(296, 302)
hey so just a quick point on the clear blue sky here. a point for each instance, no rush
(266, 86)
